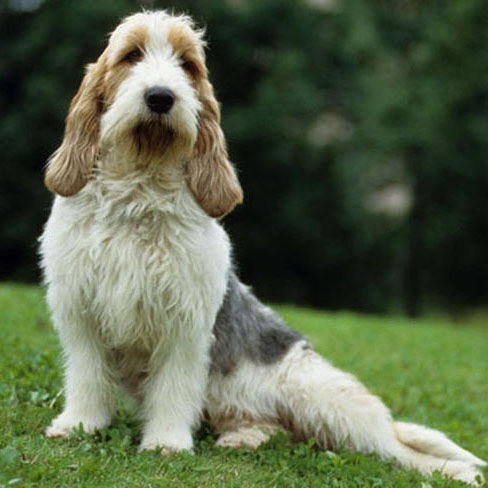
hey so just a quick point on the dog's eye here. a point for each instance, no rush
(191, 68)
(133, 56)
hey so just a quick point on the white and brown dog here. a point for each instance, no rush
(140, 281)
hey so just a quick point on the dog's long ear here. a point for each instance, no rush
(211, 177)
(70, 167)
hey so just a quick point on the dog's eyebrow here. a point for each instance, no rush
(182, 41)
(135, 38)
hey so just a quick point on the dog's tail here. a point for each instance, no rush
(433, 442)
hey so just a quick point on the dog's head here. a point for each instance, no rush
(149, 97)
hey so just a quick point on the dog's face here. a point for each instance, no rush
(149, 97)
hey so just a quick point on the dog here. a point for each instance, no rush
(141, 285)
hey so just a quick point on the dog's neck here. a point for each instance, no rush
(126, 189)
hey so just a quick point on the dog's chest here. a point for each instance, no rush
(145, 276)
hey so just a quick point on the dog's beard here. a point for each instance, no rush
(156, 142)
(151, 141)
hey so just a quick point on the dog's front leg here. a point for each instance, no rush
(89, 383)
(174, 394)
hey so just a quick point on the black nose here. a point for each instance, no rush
(159, 99)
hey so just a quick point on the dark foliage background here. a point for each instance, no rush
(359, 129)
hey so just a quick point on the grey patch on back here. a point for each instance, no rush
(245, 328)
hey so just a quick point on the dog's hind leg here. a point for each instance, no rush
(323, 402)
(312, 399)
(250, 436)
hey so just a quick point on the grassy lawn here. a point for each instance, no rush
(426, 371)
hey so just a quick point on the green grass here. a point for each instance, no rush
(426, 371)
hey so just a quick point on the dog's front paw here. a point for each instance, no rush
(168, 443)
(64, 424)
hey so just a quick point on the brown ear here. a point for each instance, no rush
(211, 177)
(69, 168)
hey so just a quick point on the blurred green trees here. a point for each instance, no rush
(358, 128)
